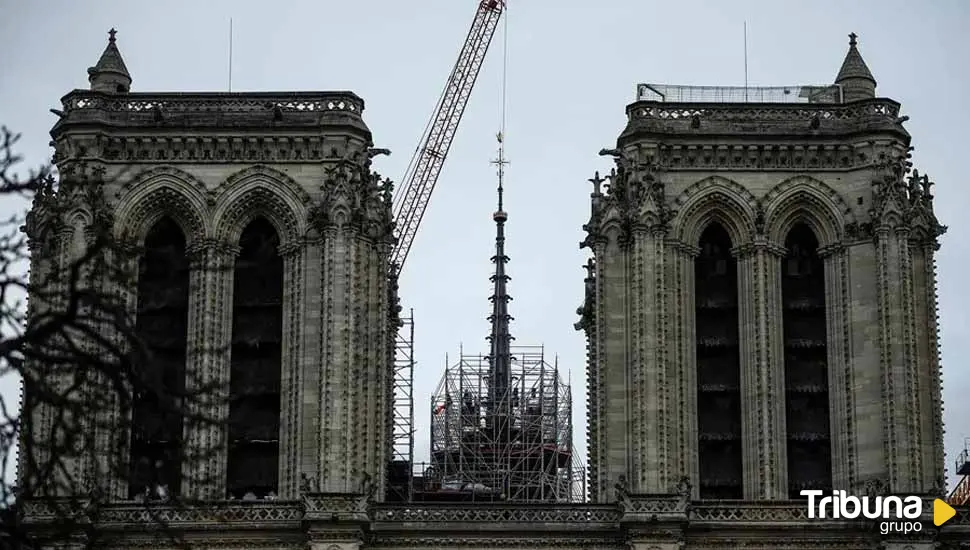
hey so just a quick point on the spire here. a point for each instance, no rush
(854, 76)
(500, 338)
(110, 74)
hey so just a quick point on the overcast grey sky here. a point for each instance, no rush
(573, 67)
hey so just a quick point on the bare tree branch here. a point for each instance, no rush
(76, 351)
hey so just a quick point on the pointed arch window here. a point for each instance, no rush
(718, 367)
(161, 324)
(806, 369)
(255, 368)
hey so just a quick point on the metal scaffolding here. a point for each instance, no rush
(399, 483)
(739, 94)
(960, 496)
(529, 457)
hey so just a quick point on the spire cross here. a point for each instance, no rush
(852, 38)
(501, 162)
(111, 34)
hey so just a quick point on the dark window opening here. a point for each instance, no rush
(161, 323)
(718, 367)
(806, 370)
(254, 393)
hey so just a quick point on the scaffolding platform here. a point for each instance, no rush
(525, 455)
(960, 496)
(399, 478)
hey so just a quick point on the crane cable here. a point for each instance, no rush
(505, 64)
(501, 161)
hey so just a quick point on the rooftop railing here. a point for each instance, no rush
(669, 93)
(214, 102)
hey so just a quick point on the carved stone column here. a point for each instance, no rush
(310, 364)
(47, 274)
(762, 370)
(649, 390)
(207, 369)
(108, 467)
(841, 379)
(334, 469)
(114, 443)
(610, 406)
(927, 360)
(900, 398)
(291, 373)
(682, 354)
(355, 377)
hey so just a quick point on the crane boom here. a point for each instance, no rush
(425, 166)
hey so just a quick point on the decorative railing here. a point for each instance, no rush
(489, 513)
(252, 514)
(290, 514)
(255, 513)
(212, 103)
(754, 112)
(749, 512)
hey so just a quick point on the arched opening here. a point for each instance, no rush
(254, 393)
(718, 367)
(806, 370)
(161, 325)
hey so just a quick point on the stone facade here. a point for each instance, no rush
(214, 162)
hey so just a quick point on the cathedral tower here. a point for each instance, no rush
(762, 317)
(260, 239)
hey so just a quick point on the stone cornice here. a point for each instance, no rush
(763, 156)
(270, 147)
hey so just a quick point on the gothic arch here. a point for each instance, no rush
(260, 191)
(714, 199)
(612, 225)
(810, 201)
(159, 192)
(78, 216)
(76, 226)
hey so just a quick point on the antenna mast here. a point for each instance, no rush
(745, 61)
(230, 54)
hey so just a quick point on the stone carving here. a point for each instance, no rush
(632, 200)
(759, 220)
(623, 494)
(308, 483)
(358, 198)
(586, 311)
(683, 493)
(45, 216)
(874, 487)
(368, 489)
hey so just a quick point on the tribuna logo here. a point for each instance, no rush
(839, 505)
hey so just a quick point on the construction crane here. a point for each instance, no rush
(409, 205)
(422, 174)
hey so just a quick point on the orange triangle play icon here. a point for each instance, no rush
(942, 512)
